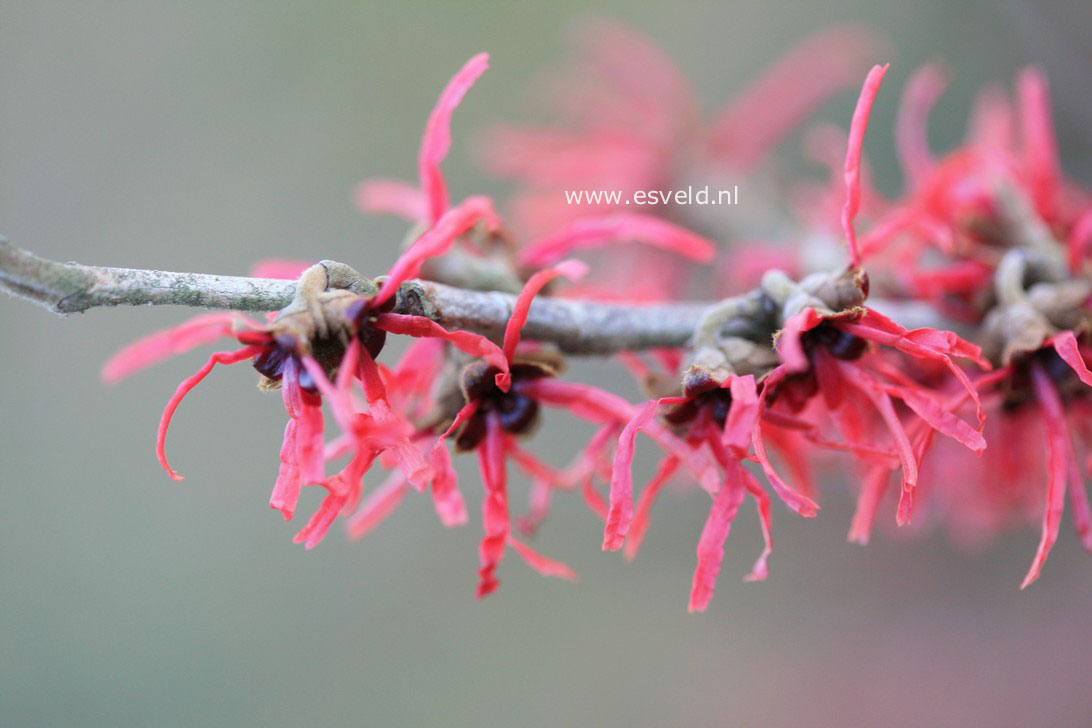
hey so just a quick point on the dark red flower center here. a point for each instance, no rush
(516, 411)
(1019, 389)
(840, 344)
(714, 404)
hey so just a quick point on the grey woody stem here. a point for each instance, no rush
(577, 327)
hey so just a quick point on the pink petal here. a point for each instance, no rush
(437, 139)
(868, 503)
(789, 346)
(392, 197)
(379, 504)
(591, 232)
(187, 385)
(711, 544)
(316, 529)
(787, 93)
(396, 428)
(540, 563)
(760, 571)
(286, 491)
(473, 344)
(642, 516)
(540, 498)
(857, 130)
(911, 127)
(533, 466)
(803, 505)
(922, 343)
(870, 388)
(620, 514)
(595, 502)
(447, 499)
(590, 458)
(583, 400)
(436, 241)
(1058, 451)
(495, 522)
(742, 416)
(154, 348)
(1040, 147)
(1080, 235)
(939, 418)
(571, 269)
(306, 409)
(282, 268)
(992, 123)
(1065, 343)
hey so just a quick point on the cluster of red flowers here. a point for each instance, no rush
(988, 240)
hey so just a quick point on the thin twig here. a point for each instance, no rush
(578, 327)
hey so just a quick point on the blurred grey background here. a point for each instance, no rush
(204, 135)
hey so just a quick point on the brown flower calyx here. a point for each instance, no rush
(1033, 301)
(828, 293)
(326, 313)
(517, 412)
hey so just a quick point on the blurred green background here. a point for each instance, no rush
(204, 135)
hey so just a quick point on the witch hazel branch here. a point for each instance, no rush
(757, 383)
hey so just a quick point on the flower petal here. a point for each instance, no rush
(286, 491)
(911, 126)
(379, 504)
(437, 139)
(282, 268)
(1040, 146)
(1058, 456)
(620, 514)
(643, 513)
(187, 385)
(742, 415)
(857, 130)
(595, 231)
(571, 269)
(470, 343)
(436, 241)
(725, 506)
(542, 564)
(1065, 343)
(495, 522)
(392, 197)
(154, 348)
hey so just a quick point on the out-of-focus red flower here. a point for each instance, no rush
(1003, 187)
(1042, 396)
(428, 203)
(633, 124)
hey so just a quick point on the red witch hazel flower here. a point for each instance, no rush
(1000, 188)
(824, 348)
(334, 318)
(1037, 330)
(632, 122)
(502, 401)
